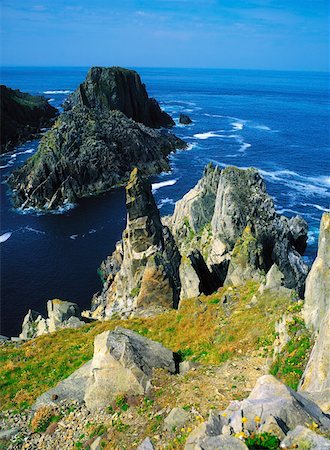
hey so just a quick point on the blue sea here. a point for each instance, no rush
(277, 122)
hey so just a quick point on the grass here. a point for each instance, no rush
(203, 329)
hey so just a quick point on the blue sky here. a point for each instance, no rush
(248, 34)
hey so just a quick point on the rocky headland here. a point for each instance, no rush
(201, 338)
(108, 129)
(22, 116)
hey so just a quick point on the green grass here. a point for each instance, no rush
(207, 333)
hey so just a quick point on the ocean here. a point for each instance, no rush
(277, 122)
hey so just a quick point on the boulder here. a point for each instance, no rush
(272, 398)
(22, 116)
(176, 419)
(317, 294)
(146, 445)
(88, 152)
(143, 274)
(34, 324)
(116, 88)
(184, 119)
(8, 434)
(72, 388)
(211, 428)
(304, 438)
(220, 442)
(123, 363)
(62, 314)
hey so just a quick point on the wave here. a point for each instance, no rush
(4, 237)
(5, 167)
(263, 127)
(207, 135)
(191, 146)
(156, 186)
(165, 201)
(244, 147)
(92, 231)
(64, 91)
(319, 207)
(74, 236)
(33, 230)
(237, 125)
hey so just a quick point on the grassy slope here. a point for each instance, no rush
(203, 329)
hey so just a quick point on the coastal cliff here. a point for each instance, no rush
(96, 143)
(225, 231)
(22, 116)
(115, 88)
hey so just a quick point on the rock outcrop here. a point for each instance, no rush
(123, 363)
(115, 88)
(22, 116)
(95, 144)
(184, 119)
(317, 294)
(230, 220)
(271, 407)
(61, 314)
(142, 274)
(316, 311)
(86, 153)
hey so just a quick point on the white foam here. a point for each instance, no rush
(13, 155)
(64, 91)
(191, 146)
(4, 237)
(319, 207)
(237, 125)
(244, 147)
(34, 230)
(207, 135)
(156, 186)
(92, 231)
(4, 167)
(263, 127)
(74, 236)
(165, 201)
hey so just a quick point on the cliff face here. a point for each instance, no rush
(316, 378)
(240, 236)
(115, 88)
(225, 231)
(86, 153)
(142, 274)
(22, 116)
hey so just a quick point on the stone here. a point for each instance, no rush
(96, 444)
(8, 434)
(146, 445)
(221, 442)
(116, 88)
(123, 363)
(270, 425)
(34, 324)
(321, 398)
(72, 388)
(4, 338)
(62, 314)
(176, 419)
(187, 366)
(142, 277)
(317, 294)
(272, 398)
(304, 438)
(212, 427)
(184, 119)
(51, 428)
(22, 116)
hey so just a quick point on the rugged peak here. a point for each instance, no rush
(108, 88)
(139, 199)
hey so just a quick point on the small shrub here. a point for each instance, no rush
(262, 441)
(42, 418)
(121, 402)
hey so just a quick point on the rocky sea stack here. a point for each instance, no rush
(115, 88)
(225, 231)
(22, 116)
(96, 143)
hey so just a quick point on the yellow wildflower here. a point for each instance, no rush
(244, 419)
(257, 419)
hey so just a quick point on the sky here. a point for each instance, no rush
(236, 34)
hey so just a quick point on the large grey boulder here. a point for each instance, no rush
(176, 419)
(272, 398)
(72, 388)
(61, 314)
(304, 438)
(317, 294)
(123, 362)
(146, 445)
(211, 428)
(220, 442)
